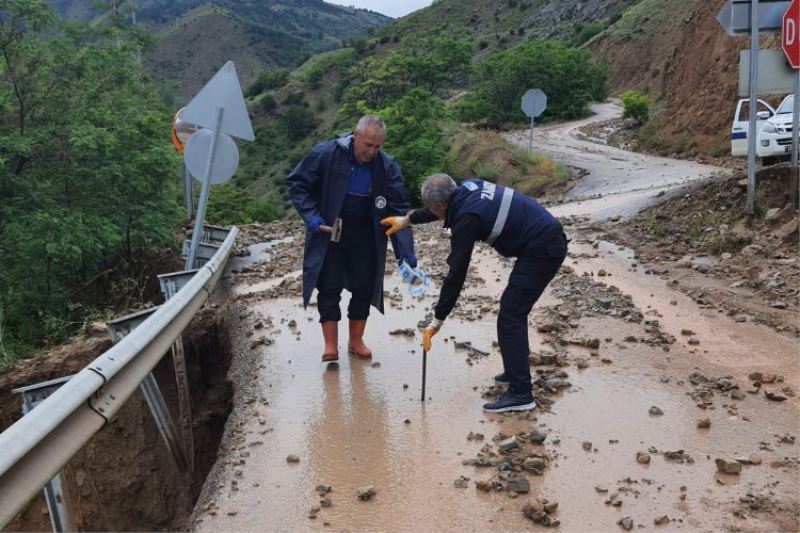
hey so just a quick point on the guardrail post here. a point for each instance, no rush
(170, 285)
(33, 395)
(118, 329)
(205, 251)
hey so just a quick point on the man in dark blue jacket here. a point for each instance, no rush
(514, 225)
(352, 179)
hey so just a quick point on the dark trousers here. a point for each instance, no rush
(531, 274)
(353, 258)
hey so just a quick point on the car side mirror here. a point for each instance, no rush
(763, 115)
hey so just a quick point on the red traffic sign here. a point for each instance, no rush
(790, 34)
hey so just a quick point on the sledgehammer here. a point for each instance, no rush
(335, 230)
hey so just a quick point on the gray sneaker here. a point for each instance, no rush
(511, 401)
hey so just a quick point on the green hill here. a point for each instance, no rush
(426, 73)
(194, 38)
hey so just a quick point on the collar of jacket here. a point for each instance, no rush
(345, 141)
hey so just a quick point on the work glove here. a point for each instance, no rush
(314, 223)
(411, 259)
(395, 224)
(429, 331)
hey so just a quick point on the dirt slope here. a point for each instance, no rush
(686, 62)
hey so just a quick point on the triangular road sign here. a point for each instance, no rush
(223, 90)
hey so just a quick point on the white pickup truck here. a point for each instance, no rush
(774, 127)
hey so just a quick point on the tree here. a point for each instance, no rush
(427, 64)
(414, 136)
(87, 176)
(565, 74)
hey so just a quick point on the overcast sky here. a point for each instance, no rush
(392, 8)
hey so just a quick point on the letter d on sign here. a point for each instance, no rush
(790, 40)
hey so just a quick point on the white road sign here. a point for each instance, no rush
(226, 156)
(534, 102)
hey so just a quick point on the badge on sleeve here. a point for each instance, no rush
(380, 202)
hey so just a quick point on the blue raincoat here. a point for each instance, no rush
(317, 186)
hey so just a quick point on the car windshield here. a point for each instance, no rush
(787, 106)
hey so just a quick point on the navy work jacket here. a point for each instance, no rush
(524, 224)
(317, 186)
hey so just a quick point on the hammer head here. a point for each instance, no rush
(335, 230)
(336, 234)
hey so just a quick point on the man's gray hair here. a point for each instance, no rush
(371, 121)
(437, 188)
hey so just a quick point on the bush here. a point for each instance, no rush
(260, 210)
(414, 136)
(230, 204)
(299, 122)
(636, 106)
(566, 75)
(267, 102)
(267, 81)
(585, 31)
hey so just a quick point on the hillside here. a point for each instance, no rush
(678, 53)
(196, 37)
(498, 25)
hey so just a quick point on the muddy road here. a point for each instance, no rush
(616, 182)
(640, 390)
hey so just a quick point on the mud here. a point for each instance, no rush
(124, 478)
(641, 389)
(440, 464)
(615, 182)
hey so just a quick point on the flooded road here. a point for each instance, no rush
(618, 182)
(638, 366)
(362, 422)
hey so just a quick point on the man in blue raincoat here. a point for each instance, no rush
(353, 179)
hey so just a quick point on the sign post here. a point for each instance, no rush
(790, 42)
(740, 17)
(751, 133)
(534, 102)
(210, 153)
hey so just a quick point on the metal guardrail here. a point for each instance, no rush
(39, 444)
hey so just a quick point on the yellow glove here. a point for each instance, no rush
(428, 333)
(395, 224)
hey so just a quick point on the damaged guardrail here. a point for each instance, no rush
(38, 445)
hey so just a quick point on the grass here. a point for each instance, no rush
(676, 144)
(647, 18)
(703, 228)
(486, 170)
(487, 155)
(655, 227)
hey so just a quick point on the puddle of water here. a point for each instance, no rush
(269, 283)
(259, 252)
(348, 427)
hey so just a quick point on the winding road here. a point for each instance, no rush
(616, 182)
